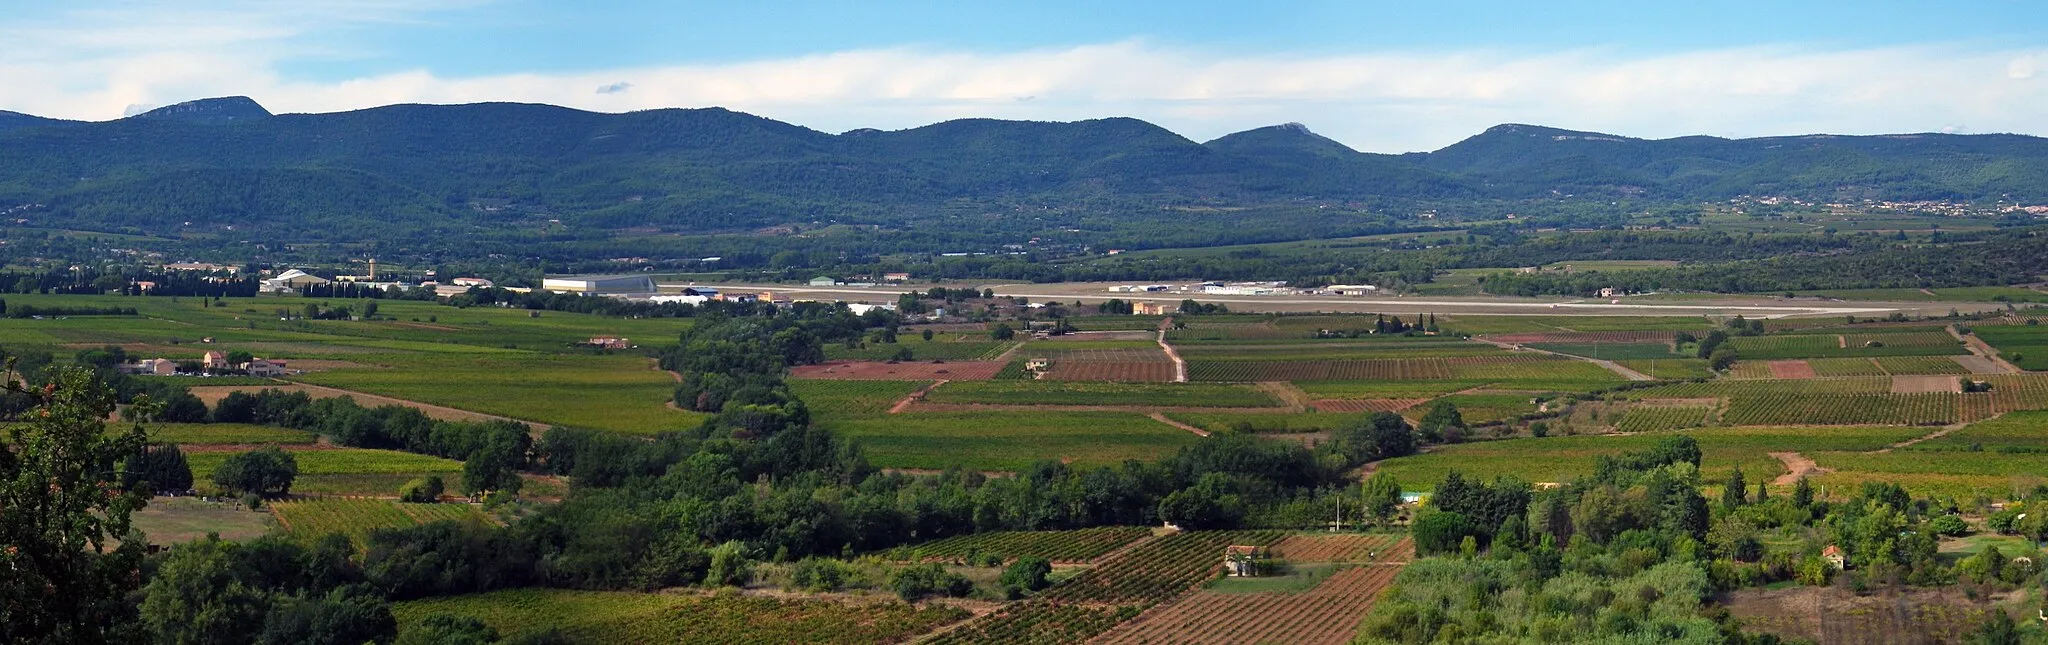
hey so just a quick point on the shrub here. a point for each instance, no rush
(425, 490)
(267, 471)
(914, 583)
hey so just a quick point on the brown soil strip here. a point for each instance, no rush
(1796, 466)
(914, 397)
(1791, 369)
(1161, 417)
(1180, 367)
(1842, 342)
(1925, 384)
(1879, 366)
(916, 371)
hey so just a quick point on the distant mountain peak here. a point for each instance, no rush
(214, 110)
(1554, 134)
(1293, 136)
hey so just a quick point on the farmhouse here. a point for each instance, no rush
(1833, 554)
(153, 366)
(600, 285)
(214, 360)
(291, 281)
(608, 342)
(1243, 560)
(1151, 309)
(265, 367)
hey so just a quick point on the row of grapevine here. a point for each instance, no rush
(1856, 366)
(1346, 547)
(1574, 337)
(1329, 613)
(357, 517)
(1921, 365)
(1350, 370)
(1365, 405)
(1130, 371)
(1115, 590)
(1659, 418)
(1931, 408)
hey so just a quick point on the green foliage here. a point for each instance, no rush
(916, 582)
(425, 490)
(266, 471)
(60, 508)
(1027, 574)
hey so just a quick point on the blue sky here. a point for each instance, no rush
(1382, 76)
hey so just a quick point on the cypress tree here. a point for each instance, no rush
(1736, 493)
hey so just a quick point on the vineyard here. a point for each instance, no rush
(357, 517)
(951, 347)
(1919, 343)
(1921, 365)
(2018, 430)
(1659, 338)
(1337, 350)
(2024, 345)
(1365, 405)
(1348, 547)
(1644, 418)
(1149, 353)
(1931, 408)
(1480, 407)
(1829, 367)
(1306, 422)
(1131, 372)
(1615, 351)
(1671, 368)
(1328, 613)
(629, 617)
(1117, 589)
(852, 397)
(1342, 370)
(1076, 546)
(1209, 395)
(1719, 389)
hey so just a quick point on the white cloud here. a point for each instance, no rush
(1381, 101)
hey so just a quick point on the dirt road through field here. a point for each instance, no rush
(1797, 466)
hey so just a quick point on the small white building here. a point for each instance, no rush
(292, 281)
(824, 281)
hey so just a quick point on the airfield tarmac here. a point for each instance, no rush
(1711, 305)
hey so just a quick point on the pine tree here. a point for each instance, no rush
(1762, 493)
(1802, 493)
(1736, 493)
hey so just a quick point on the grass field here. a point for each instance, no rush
(2024, 345)
(343, 471)
(1559, 459)
(618, 393)
(1387, 389)
(1206, 395)
(1010, 441)
(1481, 325)
(1658, 418)
(630, 617)
(171, 520)
(1479, 407)
(1671, 368)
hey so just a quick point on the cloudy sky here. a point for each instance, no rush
(1379, 76)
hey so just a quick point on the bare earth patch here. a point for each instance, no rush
(1979, 365)
(1924, 384)
(1791, 369)
(1796, 467)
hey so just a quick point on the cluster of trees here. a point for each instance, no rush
(493, 452)
(123, 280)
(1639, 534)
(1385, 324)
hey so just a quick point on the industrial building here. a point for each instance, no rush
(600, 285)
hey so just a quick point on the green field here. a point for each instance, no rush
(1205, 395)
(355, 518)
(1480, 325)
(1610, 351)
(617, 393)
(1305, 422)
(630, 617)
(951, 346)
(1479, 407)
(343, 471)
(2027, 430)
(848, 398)
(228, 433)
(1559, 459)
(2024, 345)
(1010, 440)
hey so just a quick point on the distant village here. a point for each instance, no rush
(212, 363)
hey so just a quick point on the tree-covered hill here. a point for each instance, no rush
(407, 169)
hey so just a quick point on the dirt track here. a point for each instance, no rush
(1796, 466)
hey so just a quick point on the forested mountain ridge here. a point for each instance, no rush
(229, 162)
